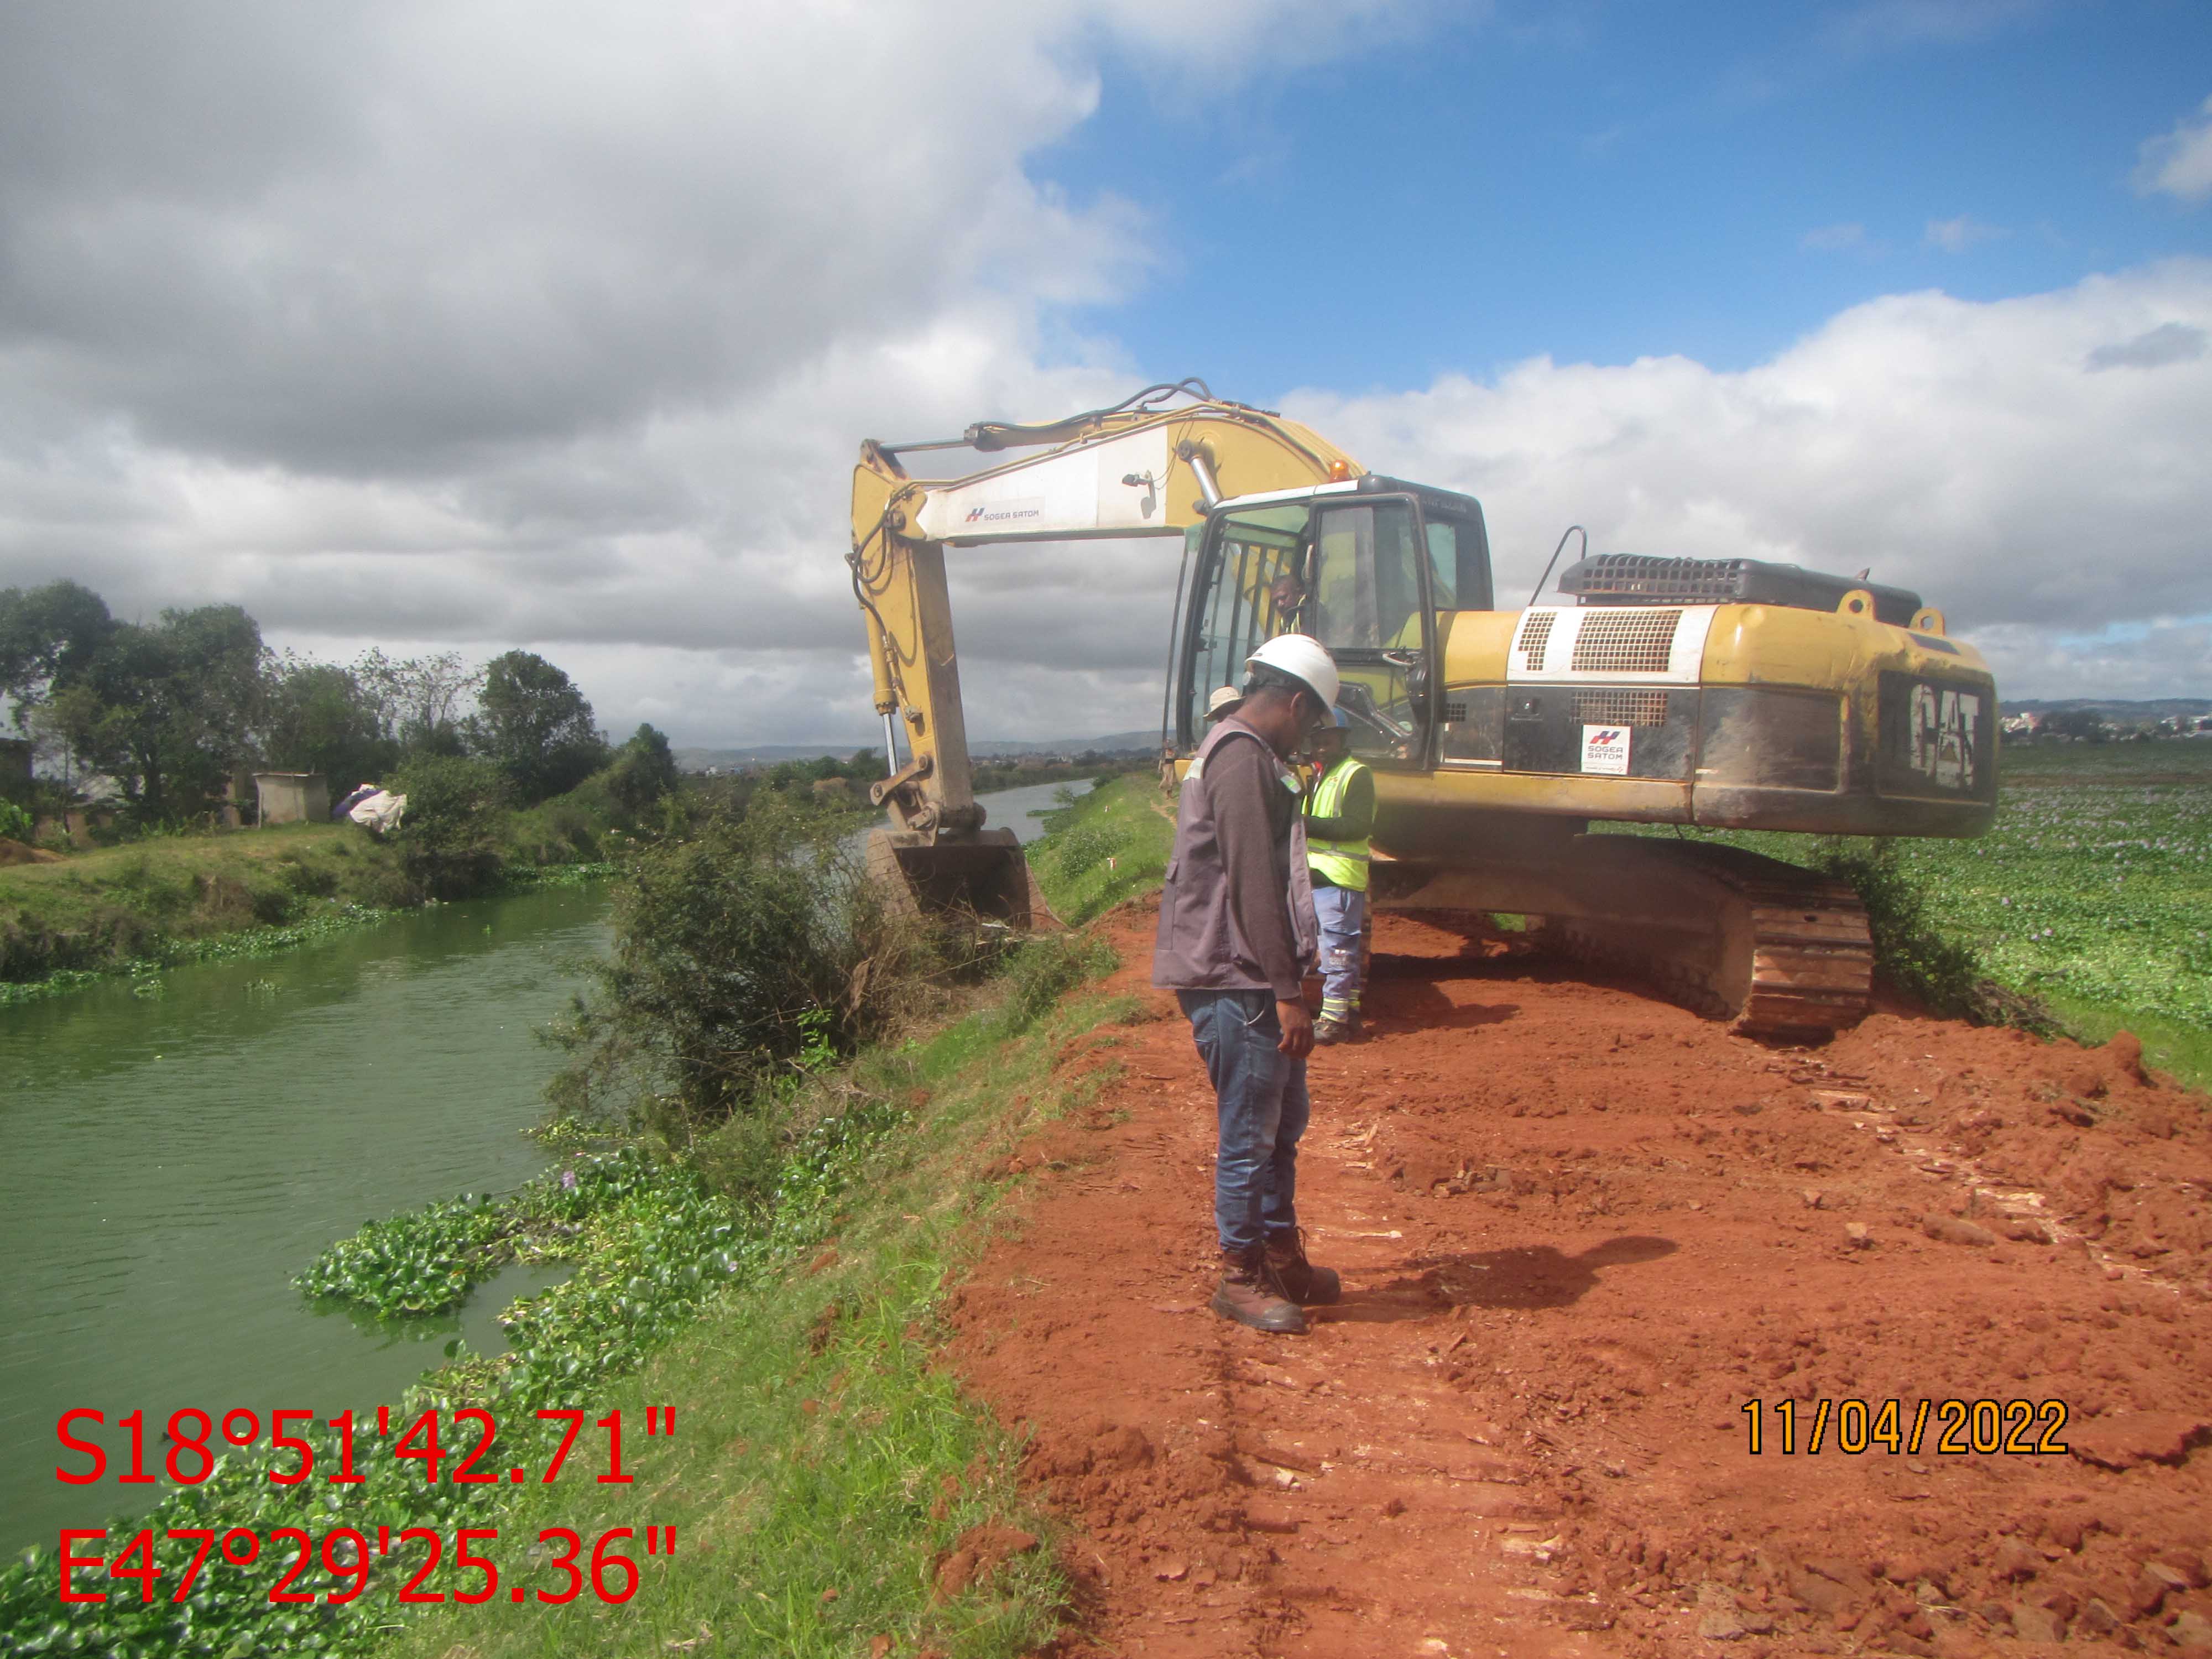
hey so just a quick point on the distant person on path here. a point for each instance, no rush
(1237, 935)
(1340, 816)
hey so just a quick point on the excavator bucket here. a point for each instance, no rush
(982, 874)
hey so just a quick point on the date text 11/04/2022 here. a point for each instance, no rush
(189, 1458)
(346, 1554)
(2011, 1428)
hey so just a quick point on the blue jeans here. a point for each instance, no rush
(1340, 911)
(1261, 1111)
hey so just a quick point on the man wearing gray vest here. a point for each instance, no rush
(1236, 936)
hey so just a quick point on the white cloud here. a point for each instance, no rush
(1957, 235)
(1877, 25)
(2180, 162)
(1964, 449)
(487, 323)
(1834, 238)
(483, 325)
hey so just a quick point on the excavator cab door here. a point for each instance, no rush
(1371, 606)
(1362, 573)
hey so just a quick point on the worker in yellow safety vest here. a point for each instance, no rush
(1339, 814)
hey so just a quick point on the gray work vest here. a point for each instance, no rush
(1201, 947)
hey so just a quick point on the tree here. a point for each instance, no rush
(319, 717)
(534, 725)
(418, 700)
(644, 769)
(48, 638)
(171, 706)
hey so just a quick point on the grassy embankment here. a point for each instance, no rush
(155, 902)
(822, 1466)
(2093, 894)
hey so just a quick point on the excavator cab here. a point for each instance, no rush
(1373, 567)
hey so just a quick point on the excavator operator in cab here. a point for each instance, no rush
(1339, 814)
(1236, 936)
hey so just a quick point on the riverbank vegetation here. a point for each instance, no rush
(769, 1261)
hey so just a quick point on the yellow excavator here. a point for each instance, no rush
(1725, 692)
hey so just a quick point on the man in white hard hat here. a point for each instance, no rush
(1237, 935)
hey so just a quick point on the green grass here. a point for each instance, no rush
(99, 911)
(165, 900)
(1111, 843)
(820, 1449)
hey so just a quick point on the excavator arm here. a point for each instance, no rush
(1149, 466)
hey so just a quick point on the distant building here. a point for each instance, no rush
(291, 798)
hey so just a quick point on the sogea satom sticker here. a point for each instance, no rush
(1605, 749)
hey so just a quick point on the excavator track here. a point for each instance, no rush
(1785, 952)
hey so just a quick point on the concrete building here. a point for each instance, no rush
(292, 798)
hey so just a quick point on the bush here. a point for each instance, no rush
(643, 770)
(14, 822)
(1910, 949)
(450, 840)
(1044, 968)
(745, 955)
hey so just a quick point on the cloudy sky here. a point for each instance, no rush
(472, 323)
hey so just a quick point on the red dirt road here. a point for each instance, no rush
(1579, 1229)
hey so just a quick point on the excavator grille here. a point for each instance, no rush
(1535, 637)
(1620, 708)
(1625, 642)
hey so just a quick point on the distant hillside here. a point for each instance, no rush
(2110, 709)
(766, 754)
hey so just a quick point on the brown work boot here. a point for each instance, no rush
(1328, 1031)
(1251, 1295)
(1300, 1280)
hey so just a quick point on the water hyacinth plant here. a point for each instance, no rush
(650, 1241)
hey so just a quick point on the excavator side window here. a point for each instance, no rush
(1459, 561)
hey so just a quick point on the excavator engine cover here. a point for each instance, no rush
(1639, 578)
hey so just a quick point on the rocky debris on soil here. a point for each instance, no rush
(2124, 1440)
(1951, 1229)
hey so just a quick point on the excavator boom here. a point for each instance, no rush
(1150, 466)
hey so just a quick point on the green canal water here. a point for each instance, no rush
(171, 1162)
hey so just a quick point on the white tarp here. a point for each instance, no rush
(380, 811)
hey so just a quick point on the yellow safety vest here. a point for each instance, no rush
(1342, 862)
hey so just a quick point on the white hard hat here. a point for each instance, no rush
(1303, 659)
